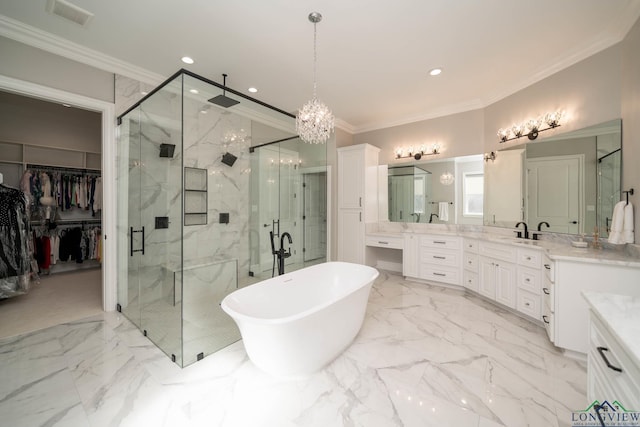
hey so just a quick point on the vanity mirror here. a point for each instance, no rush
(443, 191)
(570, 181)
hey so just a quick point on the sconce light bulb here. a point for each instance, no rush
(517, 130)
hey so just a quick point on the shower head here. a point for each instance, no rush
(223, 100)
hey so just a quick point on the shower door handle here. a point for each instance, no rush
(131, 241)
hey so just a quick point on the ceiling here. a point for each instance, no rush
(374, 57)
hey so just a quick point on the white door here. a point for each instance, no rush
(554, 193)
(314, 215)
(351, 236)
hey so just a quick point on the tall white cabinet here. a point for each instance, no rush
(357, 199)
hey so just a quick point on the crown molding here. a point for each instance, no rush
(31, 36)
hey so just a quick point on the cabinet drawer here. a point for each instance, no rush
(470, 280)
(394, 242)
(470, 261)
(529, 303)
(437, 273)
(621, 382)
(470, 245)
(443, 242)
(496, 250)
(547, 319)
(549, 268)
(529, 258)
(441, 257)
(529, 279)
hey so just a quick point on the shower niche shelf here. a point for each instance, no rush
(195, 196)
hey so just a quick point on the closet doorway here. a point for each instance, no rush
(52, 153)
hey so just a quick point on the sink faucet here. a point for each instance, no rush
(541, 223)
(431, 217)
(526, 230)
(282, 254)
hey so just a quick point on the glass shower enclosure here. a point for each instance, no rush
(198, 176)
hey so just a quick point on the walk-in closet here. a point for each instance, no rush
(51, 207)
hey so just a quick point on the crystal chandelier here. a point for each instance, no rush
(314, 122)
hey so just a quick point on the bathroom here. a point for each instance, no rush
(385, 384)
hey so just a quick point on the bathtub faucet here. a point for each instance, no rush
(281, 253)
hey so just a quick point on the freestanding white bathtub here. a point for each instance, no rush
(294, 324)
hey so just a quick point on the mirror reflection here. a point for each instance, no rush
(570, 182)
(448, 191)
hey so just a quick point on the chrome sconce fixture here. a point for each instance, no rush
(531, 128)
(405, 153)
(490, 156)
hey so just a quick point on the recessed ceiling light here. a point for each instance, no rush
(143, 92)
(253, 90)
(66, 105)
(435, 71)
(187, 60)
(193, 90)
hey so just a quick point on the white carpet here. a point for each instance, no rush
(59, 298)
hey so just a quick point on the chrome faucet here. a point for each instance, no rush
(526, 230)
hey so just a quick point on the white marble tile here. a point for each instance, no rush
(426, 356)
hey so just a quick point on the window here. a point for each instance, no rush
(472, 191)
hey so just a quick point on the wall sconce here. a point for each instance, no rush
(402, 153)
(531, 127)
(490, 156)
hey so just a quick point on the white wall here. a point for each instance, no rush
(37, 66)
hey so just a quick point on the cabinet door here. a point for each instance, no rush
(487, 285)
(506, 283)
(351, 179)
(410, 255)
(350, 236)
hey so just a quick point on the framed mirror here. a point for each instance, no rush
(570, 182)
(443, 191)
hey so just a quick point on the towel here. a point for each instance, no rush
(617, 224)
(627, 228)
(443, 211)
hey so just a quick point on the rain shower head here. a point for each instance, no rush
(223, 100)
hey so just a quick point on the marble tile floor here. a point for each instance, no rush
(426, 356)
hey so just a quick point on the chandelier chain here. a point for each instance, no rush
(315, 61)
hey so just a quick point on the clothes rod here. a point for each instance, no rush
(78, 171)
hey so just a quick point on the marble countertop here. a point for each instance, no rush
(556, 250)
(621, 314)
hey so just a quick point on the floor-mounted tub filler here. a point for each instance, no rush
(295, 324)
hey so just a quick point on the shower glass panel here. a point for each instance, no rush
(609, 171)
(186, 219)
(288, 195)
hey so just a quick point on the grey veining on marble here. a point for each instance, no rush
(426, 356)
(621, 314)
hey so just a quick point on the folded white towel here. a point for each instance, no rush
(443, 211)
(617, 224)
(627, 229)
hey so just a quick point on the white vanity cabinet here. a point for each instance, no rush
(612, 374)
(440, 259)
(529, 283)
(548, 292)
(410, 255)
(357, 199)
(470, 264)
(498, 273)
(571, 314)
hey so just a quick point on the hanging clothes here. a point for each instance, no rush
(14, 243)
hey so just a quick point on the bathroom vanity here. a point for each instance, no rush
(541, 281)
